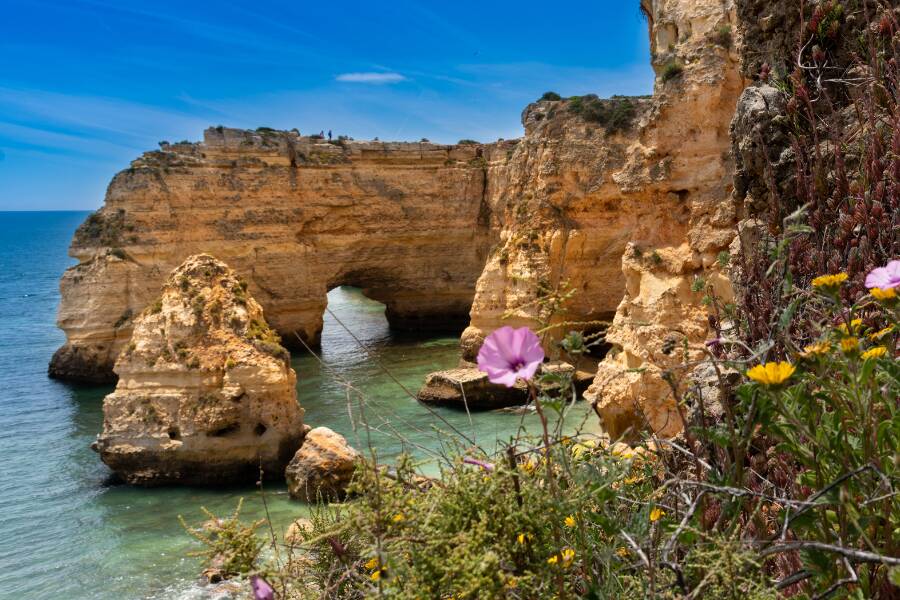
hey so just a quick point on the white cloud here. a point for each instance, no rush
(375, 78)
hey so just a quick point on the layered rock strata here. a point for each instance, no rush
(295, 217)
(206, 394)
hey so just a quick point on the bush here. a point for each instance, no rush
(723, 36)
(672, 70)
(616, 114)
(550, 96)
(467, 142)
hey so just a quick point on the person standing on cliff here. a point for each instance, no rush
(329, 135)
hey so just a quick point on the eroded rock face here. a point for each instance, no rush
(633, 219)
(322, 468)
(206, 394)
(295, 217)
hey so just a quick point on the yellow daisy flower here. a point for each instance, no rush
(524, 537)
(855, 324)
(656, 514)
(817, 349)
(570, 521)
(372, 563)
(772, 373)
(884, 295)
(623, 552)
(849, 345)
(567, 555)
(876, 352)
(829, 281)
(399, 518)
(553, 560)
(376, 576)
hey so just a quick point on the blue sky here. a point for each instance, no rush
(87, 85)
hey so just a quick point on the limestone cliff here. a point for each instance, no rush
(624, 207)
(615, 210)
(206, 394)
(295, 217)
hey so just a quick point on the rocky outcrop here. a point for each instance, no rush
(206, 394)
(467, 388)
(624, 208)
(295, 217)
(322, 468)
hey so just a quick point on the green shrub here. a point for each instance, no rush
(467, 142)
(672, 70)
(550, 96)
(616, 114)
(723, 36)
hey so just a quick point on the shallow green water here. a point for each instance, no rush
(66, 533)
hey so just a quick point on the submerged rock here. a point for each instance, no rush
(323, 467)
(467, 386)
(206, 394)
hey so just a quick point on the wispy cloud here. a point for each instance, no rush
(373, 78)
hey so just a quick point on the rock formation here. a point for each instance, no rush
(206, 394)
(295, 217)
(468, 388)
(609, 215)
(624, 208)
(322, 468)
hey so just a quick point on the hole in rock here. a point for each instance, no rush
(226, 430)
(351, 313)
(173, 433)
(260, 429)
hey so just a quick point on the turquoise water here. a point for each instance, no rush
(66, 533)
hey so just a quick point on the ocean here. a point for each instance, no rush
(65, 532)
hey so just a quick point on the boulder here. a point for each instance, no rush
(322, 468)
(206, 393)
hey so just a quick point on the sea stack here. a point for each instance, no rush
(206, 393)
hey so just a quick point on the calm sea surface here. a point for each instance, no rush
(66, 534)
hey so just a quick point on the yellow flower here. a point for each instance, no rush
(854, 325)
(830, 281)
(622, 450)
(524, 537)
(570, 521)
(372, 563)
(623, 552)
(817, 349)
(553, 560)
(876, 352)
(567, 555)
(375, 576)
(884, 295)
(579, 449)
(398, 518)
(656, 514)
(772, 373)
(512, 583)
(880, 334)
(849, 345)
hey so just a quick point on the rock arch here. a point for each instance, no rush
(295, 217)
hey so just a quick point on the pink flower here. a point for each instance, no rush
(509, 354)
(885, 278)
(261, 589)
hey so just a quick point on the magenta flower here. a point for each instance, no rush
(509, 354)
(885, 278)
(261, 589)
